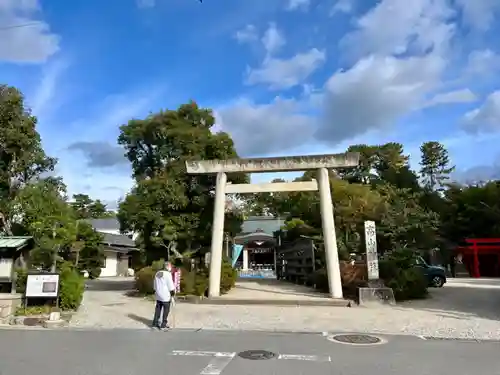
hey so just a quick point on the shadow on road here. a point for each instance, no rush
(461, 302)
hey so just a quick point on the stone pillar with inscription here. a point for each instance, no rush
(329, 235)
(372, 254)
(217, 236)
(376, 292)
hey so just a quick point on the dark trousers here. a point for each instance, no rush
(161, 307)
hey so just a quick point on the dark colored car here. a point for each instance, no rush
(435, 275)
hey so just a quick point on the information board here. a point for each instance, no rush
(371, 250)
(42, 285)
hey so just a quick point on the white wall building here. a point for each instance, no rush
(117, 247)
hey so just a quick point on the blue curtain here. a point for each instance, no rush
(237, 249)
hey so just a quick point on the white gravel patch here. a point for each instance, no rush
(112, 309)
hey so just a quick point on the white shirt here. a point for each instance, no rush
(163, 285)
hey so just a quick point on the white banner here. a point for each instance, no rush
(177, 280)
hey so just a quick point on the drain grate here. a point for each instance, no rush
(257, 355)
(356, 339)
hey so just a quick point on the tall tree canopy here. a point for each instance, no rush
(22, 158)
(436, 165)
(86, 208)
(31, 202)
(166, 203)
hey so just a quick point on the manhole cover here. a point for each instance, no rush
(31, 322)
(357, 339)
(256, 355)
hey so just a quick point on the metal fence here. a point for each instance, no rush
(296, 261)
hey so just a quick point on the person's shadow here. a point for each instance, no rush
(140, 319)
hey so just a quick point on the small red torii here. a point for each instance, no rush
(475, 246)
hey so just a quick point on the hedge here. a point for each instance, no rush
(407, 283)
(193, 282)
(71, 286)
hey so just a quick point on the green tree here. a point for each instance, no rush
(166, 203)
(49, 219)
(22, 158)
(435, 165)
(86, 208)
(97, 209)
(374, 162)
(88, 250)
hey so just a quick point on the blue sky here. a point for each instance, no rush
(284, 77)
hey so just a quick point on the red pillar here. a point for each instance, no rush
(497, 268)
(475, 261)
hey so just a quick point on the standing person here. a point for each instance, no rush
(453, 266)
(164, 292)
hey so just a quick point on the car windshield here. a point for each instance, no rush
(420, 261)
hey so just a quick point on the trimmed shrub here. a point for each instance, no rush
(228, 277)
(71, 287)
(353, 277)
(407, 283)
(94, 273)
(144, 280)
(192, 282)
(397, 272)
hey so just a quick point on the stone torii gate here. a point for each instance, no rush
(280, 164)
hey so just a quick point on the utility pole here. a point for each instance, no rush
(55, 250)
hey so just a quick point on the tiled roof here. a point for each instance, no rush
(13, 242)
(105, 224)
(117, 240)
(266, 224)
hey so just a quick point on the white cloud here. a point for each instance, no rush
(261, 129)
(457, 96)
(44, 96)
(146, 3)
(479, 14)
(286, 73)
(485, 118)
(375, 93)
(24, 39)
(298, 4)
(398, 27)
(482, 62)
(405, 58)
(247, 34)
(273, 39)
(342, 6)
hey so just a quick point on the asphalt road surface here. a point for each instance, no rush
(131, 352)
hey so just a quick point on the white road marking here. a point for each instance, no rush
(300, 357)
(228, 356)
(217, 364)
(194, 353)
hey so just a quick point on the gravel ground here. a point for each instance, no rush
(461, 309)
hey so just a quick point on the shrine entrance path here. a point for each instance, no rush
(277, 292)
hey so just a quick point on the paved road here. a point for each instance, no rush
(133, 352)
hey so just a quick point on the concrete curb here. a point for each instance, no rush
(261, 302)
